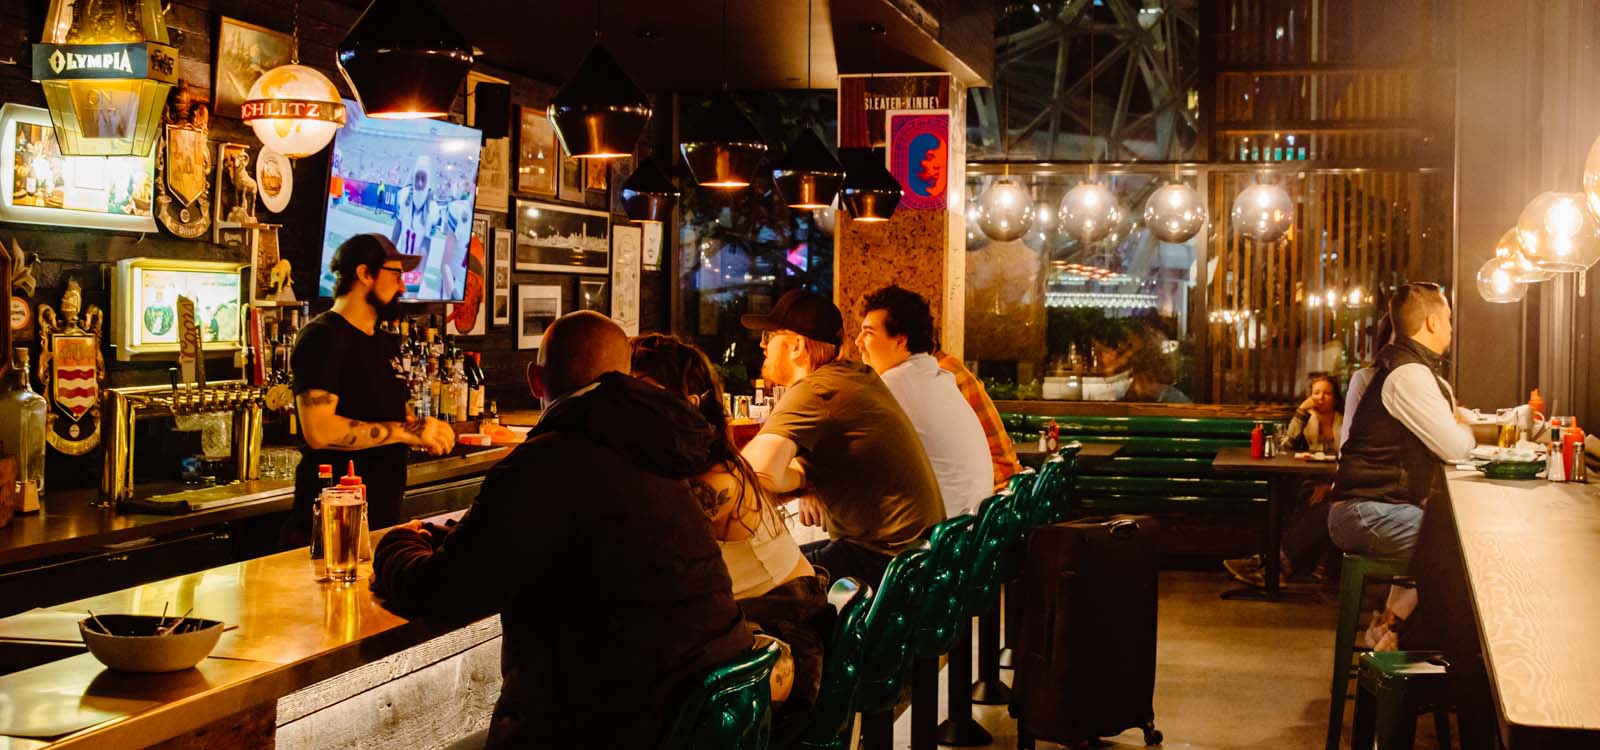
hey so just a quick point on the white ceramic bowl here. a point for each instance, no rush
(133, 645)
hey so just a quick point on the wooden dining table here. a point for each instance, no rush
(1284, 474)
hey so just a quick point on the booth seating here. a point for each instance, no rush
(1164, 465)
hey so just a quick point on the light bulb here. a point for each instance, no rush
(1497, 281)
(1174, 213)
(1557, 233)
(1089, 211)
(1263, 212)
(1005, 210)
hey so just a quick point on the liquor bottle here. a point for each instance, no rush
(444, 399)
(475, 386)
(458, 387)
(22, 419)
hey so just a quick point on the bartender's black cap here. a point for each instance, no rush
(809, 314)
(370, 250)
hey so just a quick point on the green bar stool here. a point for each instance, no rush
(1354, 572)
(1392, 687)
(828, 727)
(730, 708)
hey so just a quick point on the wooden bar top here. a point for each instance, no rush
(1531, 551)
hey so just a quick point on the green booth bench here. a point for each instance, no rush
(1163, 467)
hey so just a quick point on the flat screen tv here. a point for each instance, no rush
(413, 181)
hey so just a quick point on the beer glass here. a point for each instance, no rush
(1508, 436)
(342, 511)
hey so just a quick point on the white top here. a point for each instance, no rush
(1352, 399)
(949, 429)
(1411, 394)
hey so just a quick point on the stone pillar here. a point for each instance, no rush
(909, 118)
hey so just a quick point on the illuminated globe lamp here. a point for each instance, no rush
(1005, 210)
(1263, 212)
(1175, 213)
(106, 84)
(1510, 246)
(1497, 281)
(1089, 211)
(1557, 233)
(294, 110)
(1591, 179)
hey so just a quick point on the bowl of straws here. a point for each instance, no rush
(149, 643)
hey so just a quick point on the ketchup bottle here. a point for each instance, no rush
(351, 479)
(1258, 442)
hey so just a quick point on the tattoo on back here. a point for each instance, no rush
(710, 498)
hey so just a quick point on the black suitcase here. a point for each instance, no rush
(1086, 656)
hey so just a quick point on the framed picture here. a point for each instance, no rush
(538, 155)
(470, 316)
(650, 251)
(39, 185)
(918, 156)
(270, 281)
(234, 194)
(553, 237)
(537, 307)
(244, 52)
(494, 159)
(592, 295)
(621, 169)
(625, 277)
(500, 297)
(596, 174)
(571, 188)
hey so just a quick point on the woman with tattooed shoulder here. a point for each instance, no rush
(773, 583)
(350, 389)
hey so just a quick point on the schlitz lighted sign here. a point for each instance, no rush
(68, 62)
(291, 109)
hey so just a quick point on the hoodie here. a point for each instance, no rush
(588, 542)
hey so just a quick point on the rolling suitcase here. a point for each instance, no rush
(1086, 657)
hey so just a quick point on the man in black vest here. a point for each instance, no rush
(1404, 429)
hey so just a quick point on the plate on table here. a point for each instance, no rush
(1512, 469)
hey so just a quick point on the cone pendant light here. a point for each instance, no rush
(724, 149)
(808, 176)
(647, 194)
(403, 61)
(600, 112)
(870, 191)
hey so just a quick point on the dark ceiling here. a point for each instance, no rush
(677, 45)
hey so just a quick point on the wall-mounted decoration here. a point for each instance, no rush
(234, 191)
(470, 317)
(146, 292)
(864, 102)
(595, 174)
(571, 188)
(625, 277)
(500, 300)
(71, 369)
(22, 284)
(40, 185)
(106, 70)
(183, 162)
(919, 148)
(650, 250)
(270, 272)
(620, 169)
(538, 160)
(592, 295)
(537, 307)
(553, 237)
(274, 179)
(494, 160)
(244, 52)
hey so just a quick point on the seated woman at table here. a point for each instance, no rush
(1308, 552)
(772, 581)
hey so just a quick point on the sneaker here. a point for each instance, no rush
(1247, 570)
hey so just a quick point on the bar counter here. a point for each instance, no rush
(286, 632)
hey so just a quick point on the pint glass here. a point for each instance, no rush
(342, 513)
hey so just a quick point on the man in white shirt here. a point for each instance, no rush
(897, 341)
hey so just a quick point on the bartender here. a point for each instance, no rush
(350, 388)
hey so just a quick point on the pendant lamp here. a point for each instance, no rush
(870, 192)
(1497, 279)
(725, 149)
(1175, 213)
(1005, 210)
(1557, 233)
(600, 112)
(293, 109)
(647, 194)
(403, 61)
(106, 68)
(1089, 211)
(808, 175)
(1263, 212)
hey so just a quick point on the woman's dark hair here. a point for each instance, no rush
(906, 314)
(1333, 385)
(682, 368)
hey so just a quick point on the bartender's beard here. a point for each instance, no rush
(387, 311)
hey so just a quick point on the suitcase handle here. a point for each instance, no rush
(1123, 528)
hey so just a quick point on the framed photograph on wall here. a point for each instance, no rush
(244, 52)
(269, 272)
(553, 237)
(500, 298)
(470, 317)
(494, 159)
(592, 295)
(40, 185)
(625, 277)
(571, 188)
(537, 307)
(621, 169)
(538, 155)
(650, 252)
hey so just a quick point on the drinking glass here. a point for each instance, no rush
(342, 511)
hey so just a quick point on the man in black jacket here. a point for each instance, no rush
(587, 541)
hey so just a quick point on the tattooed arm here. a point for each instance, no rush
(326, 430)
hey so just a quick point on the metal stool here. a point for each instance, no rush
(1392, 687)
(1355, 571)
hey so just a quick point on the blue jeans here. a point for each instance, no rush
(1375, 528)
(842, 559)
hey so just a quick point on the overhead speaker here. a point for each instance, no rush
(491, 109)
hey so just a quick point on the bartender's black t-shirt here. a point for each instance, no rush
(365, 373)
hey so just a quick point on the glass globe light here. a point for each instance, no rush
(1175, 212)
(1263, 213)
(1557, 233)
(1510, 246)
(1591, 178)
(1089, 211)
(824, 217)
(294, 110)
(1005, 210)
(1497, 281)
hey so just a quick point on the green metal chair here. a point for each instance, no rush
(887, 645)
(979, 593)
(730, 708)
(1392, 687)
(938, 620)
(828, 727)
(1353, 575)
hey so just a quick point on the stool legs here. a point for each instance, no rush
(924, 703)
(877, 730)
(1013, 625)
(1441, 727)
(960, 729)
(1362, 730)
(1351, 576)
(989, 689)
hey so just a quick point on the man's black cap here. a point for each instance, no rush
(370, 250)
(809, 314)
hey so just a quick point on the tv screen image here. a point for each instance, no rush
(413, 181)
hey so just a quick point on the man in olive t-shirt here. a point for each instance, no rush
(839, 430)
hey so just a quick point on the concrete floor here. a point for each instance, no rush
(1230, 675)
